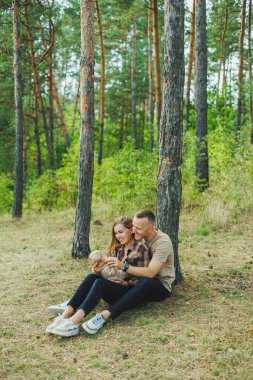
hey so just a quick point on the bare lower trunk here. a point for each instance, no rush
(169, 186)
(250, 74)
(158, 95)
(133, 80)
(102, 88)
(150, 76)
(18, 185)
(201, 97)
(240, 72)
(81, 246)
(190, 66)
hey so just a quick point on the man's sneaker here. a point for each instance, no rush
(58, 309)
(66, 328)
(94, 324)
(57, 321)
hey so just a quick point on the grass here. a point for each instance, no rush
(200, 332)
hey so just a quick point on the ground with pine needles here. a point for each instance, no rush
(203, 331)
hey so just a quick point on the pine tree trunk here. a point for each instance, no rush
(50, 94)
(25, 164)
(102, 87)
(158, 95)
(169, 185)
(38, 94)
(37, 141)
(190, 66)
(240, 72)
(75, 106)
(201, 167)
(48, 54)
(222, 52)
(18, 185)
(133, 81)
(150, 76)
(81, 246)
(250, 73)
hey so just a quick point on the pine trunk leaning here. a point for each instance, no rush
(250, 73)
(158, 94)
(150, 76)
(201, 162)
(18, 185)
(81, 247)
(190, 66)
(102, 87)
(133, 81)
(240, 71)
(169, 183)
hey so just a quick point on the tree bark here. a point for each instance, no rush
(169, 183)
(133, 81)
(76, 104)
(81, 246)
(158, 95)
(38, 94)
(222, 53)
(240, 72)
(201, 164)
(190, 66)
(150, 76)
(48, 54)
(18, 185)
(102, 87)
(250, 73)
(37, 140)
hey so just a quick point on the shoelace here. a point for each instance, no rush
(97, 319)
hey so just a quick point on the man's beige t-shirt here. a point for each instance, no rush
(162, 250)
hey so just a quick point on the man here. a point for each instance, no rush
(155, 280)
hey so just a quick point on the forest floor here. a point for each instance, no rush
(203, 331)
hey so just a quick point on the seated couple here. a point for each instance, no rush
(139, 268)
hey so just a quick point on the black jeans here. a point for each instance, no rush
(122, 298)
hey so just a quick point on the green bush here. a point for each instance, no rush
(6, 193)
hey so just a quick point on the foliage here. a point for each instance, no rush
(6, 193)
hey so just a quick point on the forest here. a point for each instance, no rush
(108, 107)
(129, 59)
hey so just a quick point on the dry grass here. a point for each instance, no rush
(200, 332)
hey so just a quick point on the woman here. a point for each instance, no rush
(94, 287)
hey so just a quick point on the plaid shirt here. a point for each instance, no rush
(138, 254)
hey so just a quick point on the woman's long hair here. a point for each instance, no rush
(127, 223)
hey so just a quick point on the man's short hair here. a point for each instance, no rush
(146, 214)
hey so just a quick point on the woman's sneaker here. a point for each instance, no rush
(56, 309)
(94, 324)
(55, 323)
(66, 328)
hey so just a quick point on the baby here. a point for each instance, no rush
(112, 274)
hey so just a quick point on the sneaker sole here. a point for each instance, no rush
(65, 334)
(88, 330)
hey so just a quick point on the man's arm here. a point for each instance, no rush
(151, 271)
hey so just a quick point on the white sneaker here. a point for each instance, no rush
(66, 328)
(94, 324)
(55, 323)
(58, 309)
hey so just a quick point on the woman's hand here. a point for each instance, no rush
(97, 268)
(114, 262)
